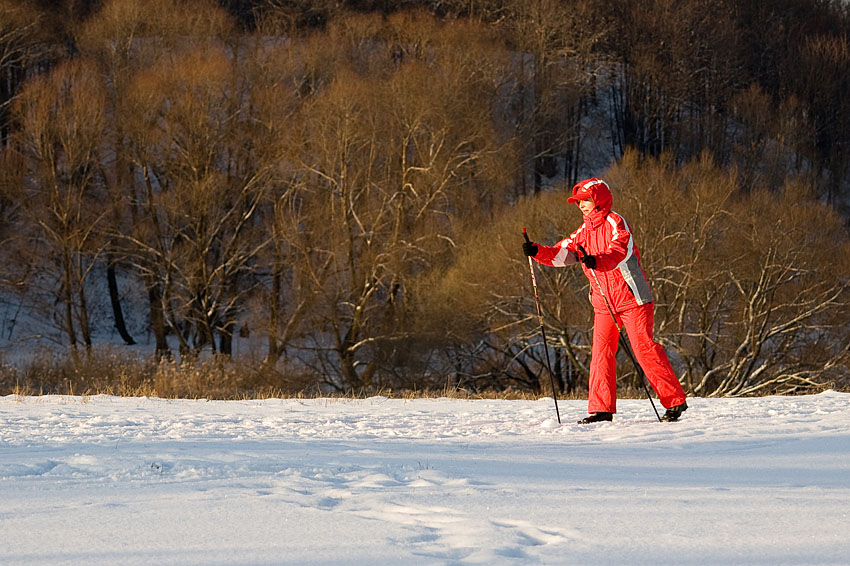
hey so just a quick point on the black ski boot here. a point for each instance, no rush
(673, 413)
(596, 418)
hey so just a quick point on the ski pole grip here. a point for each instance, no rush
(582, 250)
(525, 235)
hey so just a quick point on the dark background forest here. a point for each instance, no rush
(223, 198)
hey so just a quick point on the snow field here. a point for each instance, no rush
(125, 481)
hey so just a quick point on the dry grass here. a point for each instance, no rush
(109, 371)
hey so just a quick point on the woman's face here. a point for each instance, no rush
(586, 206)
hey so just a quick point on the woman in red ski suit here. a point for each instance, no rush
(614, 258)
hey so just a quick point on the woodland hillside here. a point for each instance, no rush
(330, 195)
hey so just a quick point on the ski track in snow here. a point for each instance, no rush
(107, 480)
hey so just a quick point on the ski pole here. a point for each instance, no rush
(542, 329)
(623, 340)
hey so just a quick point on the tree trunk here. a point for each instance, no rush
(115, 300)
(158, 321)
(67, 297)
(225, 340)
(85, 329)
(274, 318)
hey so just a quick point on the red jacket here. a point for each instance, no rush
(606, 236)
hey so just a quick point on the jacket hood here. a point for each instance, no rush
(598, 191)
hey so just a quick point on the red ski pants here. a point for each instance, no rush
(651, 356)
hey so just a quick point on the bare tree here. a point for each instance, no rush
(112, 39)
(386, 158)
(751, 290)
(126, 37)
(748, 297)
(679, 64)
(20, 32)
(196, 232)
(771, 142)
(130, 38)
(62, 124)
(824, 81)
(559, 64)
(484, 303)
(790, 297)
(289, 16)
(280, 86)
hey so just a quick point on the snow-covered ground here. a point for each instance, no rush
(116, 481)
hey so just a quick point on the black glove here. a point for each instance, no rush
(529, 249)
(589, 261)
